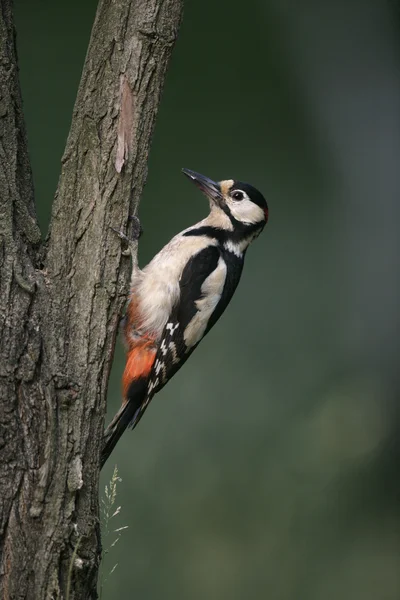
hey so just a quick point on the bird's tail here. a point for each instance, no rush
(139, 362)
(114, 431)
(128, 415)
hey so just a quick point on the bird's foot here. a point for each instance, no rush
(130, 242)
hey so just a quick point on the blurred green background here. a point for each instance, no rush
(268, 467)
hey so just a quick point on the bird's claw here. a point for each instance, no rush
(129, 243)
(136, 233)
(120, 234)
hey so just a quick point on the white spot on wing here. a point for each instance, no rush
(172, 328)
(158, 367)
(172, 348)
(153, 384)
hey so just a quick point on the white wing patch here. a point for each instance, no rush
(211, 293)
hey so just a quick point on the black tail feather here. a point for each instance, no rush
(128, 415)
(114, 431)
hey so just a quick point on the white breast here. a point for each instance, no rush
(157, 288)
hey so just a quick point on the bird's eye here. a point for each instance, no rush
(237, 195)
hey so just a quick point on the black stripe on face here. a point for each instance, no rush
(240, 231)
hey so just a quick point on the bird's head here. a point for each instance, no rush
(242, 203)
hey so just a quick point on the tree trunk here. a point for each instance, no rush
(61, 300)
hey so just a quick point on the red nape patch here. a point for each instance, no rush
(266, 214)
(139, 361)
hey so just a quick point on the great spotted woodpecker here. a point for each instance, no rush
(176, 299)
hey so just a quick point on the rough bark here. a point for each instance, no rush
(61, 300)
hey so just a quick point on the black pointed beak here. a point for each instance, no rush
(209, 187)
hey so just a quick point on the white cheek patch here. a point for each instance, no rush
(246, 211)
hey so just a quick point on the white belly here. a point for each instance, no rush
(157, 289)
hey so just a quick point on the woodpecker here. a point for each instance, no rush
(178, 297)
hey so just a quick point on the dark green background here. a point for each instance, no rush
(268, 467)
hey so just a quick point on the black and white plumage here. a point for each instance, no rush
(178, 297)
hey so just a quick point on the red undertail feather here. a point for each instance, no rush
(139, 361)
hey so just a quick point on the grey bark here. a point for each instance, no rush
(61, 300)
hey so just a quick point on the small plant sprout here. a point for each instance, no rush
(110, 511)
